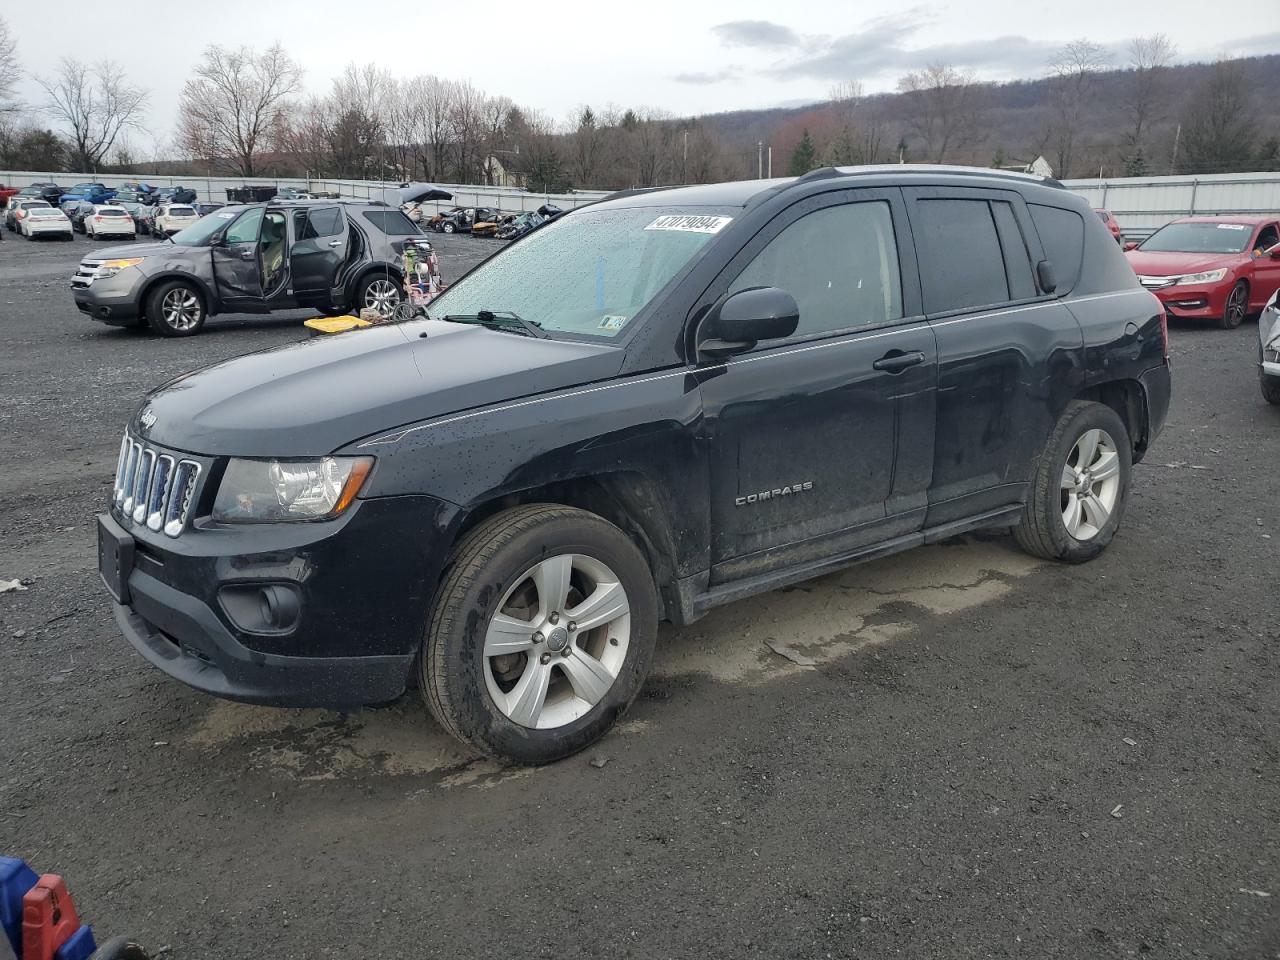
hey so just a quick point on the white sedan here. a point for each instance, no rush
(172, 217)
(45, 221)
(1269, 349)
(108, 220)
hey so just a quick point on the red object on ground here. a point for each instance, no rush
(48, 918)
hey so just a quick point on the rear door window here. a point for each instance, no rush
(323, 222)
(961, 262)
(1062, 236)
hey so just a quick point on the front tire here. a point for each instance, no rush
(1236, 307)
(1079, 486)
(1270, 388)
(541, 635)
(175, 309)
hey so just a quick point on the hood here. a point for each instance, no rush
(123, 251)
(316, 396)
(1150, 264)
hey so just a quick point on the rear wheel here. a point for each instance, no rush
(1079, 486)
(541, 634)
(1237, 306)
(380, 293)
(175, 309)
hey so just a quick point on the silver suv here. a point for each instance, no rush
(330, 255)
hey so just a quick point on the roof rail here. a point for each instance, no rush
(634, 192)
(824, 173)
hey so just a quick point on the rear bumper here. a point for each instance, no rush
(1157, 389)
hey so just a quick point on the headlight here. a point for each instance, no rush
(1211, 276)
(262, 491)
(109, 268)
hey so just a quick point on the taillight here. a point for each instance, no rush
(1164, 331)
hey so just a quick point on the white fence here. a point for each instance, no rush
(215, 188)
(1141, 204)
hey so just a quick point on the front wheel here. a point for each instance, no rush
(448, 228)
(174, 309)
(541, 634)
(1237, 305)
(1270, 388)
(1079, 486)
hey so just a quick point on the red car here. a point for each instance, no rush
(1112, 225)
(1211, 268)
(6, 193)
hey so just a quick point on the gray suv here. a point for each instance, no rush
(330, 255)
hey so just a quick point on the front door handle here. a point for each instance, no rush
(248, 255)
(335, 243)
(895, 361)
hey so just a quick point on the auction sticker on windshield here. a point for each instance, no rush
(1232, 226)
(690, 224)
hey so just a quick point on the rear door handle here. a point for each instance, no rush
(896, 361)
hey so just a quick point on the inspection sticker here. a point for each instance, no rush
(612, 322)
(1233, 226)
(690, 224)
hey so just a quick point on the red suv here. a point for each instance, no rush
(1211, 268)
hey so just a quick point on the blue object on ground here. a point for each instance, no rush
(16, 878)
(79, 947)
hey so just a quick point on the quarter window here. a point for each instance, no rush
(962, 264)
(1062, 236)
(840, 263)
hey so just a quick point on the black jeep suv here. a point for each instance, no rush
(654, 405)
(333, 256)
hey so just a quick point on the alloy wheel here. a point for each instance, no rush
(181, 309)
(558, 641)
(381, 295)
(1237, 303)
(1090, 484)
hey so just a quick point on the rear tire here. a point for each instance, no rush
(175, 309)
(379, 292)
(1079, 486)
(514, 585)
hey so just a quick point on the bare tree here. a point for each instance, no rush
(586, 145)
(942, 106)
(1219, 125)
(650, 140)
(9, 69)
(1073, 75)
(96, 104)
(495, 112)
(1149, 59)
(234, 107)
(861, 134)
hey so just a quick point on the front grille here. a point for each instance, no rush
(154, 488)
(84, 273)
(1155, 283)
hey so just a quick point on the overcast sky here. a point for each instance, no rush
(686, 57)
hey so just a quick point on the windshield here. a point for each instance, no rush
(200, 232)
(589, 273)
(1199, 238)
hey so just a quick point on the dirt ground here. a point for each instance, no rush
(990, 757)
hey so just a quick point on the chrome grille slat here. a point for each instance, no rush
(153, 488)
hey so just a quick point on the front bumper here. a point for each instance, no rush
(1194, 301)
(362, 583)
(111, 299)
(1269, 339)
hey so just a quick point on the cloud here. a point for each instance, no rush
(882, 49)
(706, 79)
(755, 33)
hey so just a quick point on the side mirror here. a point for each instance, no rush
(1047, 278)
(742, 319)
(1274, 252)
(1131, 245)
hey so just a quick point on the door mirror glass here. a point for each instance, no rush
(1131, 245)
(1274, 252)
(742, 319)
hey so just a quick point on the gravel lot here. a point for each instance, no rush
(991, 758)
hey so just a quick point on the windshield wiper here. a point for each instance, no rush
(499, 320)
